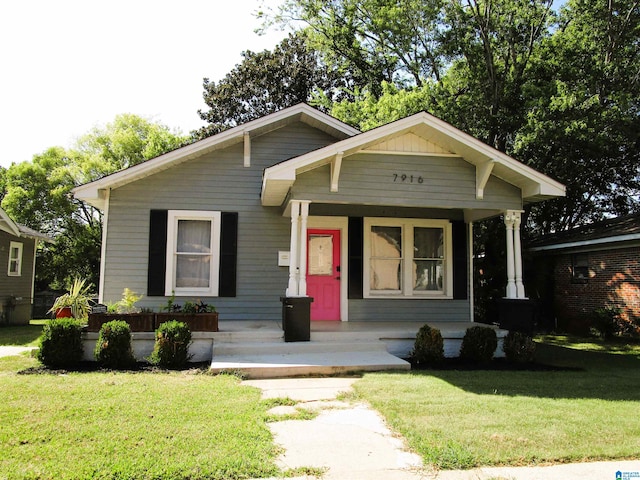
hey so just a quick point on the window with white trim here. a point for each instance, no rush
(407, 258)
(193, 257)
(15, 259)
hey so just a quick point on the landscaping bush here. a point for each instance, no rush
(607, 321)
(113, 348)
(428, 348)
(479, 344)
(519, 347)
(61, 343)
(171, 349)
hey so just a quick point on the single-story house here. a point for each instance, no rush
(594, 266)
(375, 226)
(18, 246)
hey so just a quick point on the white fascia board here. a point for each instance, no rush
(587, 243)
(8, 225)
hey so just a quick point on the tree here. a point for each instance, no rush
(38, 193)
(266, 82)
(375, 40)
(583, 126)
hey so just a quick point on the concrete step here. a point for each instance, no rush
(305, 364)
(289, 348)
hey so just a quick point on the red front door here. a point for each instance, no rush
(323, 273)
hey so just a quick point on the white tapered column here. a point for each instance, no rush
(511, 268)
(517, 252)
(292, 289)
(302, 281)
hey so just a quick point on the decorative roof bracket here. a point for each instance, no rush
(483, 172)
(336, 164)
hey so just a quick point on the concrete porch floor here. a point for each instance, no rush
(257, 349)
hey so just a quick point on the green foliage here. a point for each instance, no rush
(519, 347)
(428, 348)
(113, 348)
(265, 82)
(171, 349)
(77, 299)
(607, 321)
(127, 304)
(479, 344)
(37, 194)
(61, 343)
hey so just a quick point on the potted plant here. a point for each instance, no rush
(74, 303)
(198, 316)
(125, 309)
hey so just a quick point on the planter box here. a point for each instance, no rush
(138, 322)
(197, 322)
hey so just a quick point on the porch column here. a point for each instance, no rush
(518, 257)
(509, 221)
(302, 281)
(292, 289)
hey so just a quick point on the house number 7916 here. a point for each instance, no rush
(403, 177)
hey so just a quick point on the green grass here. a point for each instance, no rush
(130, 426)
(464, 419)
(22, 335)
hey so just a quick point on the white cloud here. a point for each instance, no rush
(70, 65)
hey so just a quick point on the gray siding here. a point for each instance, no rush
(219, 182)
(411, 310)
(369, 179)
(19, 287)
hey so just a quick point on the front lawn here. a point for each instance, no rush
(463, 419)
(139, 425)
(24, 335)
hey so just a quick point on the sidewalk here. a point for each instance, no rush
(351, 441)
(7, 351)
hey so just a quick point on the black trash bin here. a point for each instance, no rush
(296, 318)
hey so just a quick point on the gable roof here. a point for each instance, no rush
(610, 231)
(9, 226)
(439, 136)
(94, 192)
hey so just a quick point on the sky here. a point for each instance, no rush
(67, 66)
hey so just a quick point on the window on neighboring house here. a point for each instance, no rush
(193, 256)
(15, 259)
(580, 268)
(408, 258)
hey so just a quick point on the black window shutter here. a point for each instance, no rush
(228, 254)
(356, 252)
(460, 270)
(157, 253)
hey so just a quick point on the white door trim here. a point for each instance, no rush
(342, 224)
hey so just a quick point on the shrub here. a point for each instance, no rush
(519, 347)
(428, 347)
(61, 343)
(171, 349)
(113, 348)
(479, 344)
(607, 321)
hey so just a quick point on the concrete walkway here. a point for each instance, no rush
(349, 440)
(8, 351)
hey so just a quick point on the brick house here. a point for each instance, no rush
(594, 266)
